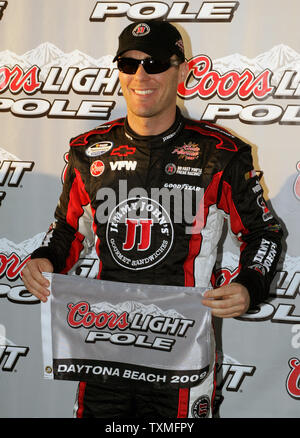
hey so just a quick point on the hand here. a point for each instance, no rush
(33, 279)
(227, 301)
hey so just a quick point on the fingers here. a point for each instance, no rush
(227, 301)
(33, 279)
(224, 309)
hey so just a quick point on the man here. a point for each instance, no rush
(156, 147)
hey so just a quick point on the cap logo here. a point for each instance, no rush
(141, 29)
(180, 45)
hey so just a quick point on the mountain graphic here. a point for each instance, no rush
(22, 249)
(5, 155)
(9, 59)
(276, 58)
(237, 63)
(43, 54)
(47, 55)
(134, 307)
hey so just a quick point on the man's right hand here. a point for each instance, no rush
(33, 279)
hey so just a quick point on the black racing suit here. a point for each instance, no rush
(155, 208)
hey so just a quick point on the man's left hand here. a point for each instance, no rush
(227, 301)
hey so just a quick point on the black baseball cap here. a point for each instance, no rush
(159, 39)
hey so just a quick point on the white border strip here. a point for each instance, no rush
(47, 332)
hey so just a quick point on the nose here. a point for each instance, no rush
(141, 73)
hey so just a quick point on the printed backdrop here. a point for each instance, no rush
(57, 80)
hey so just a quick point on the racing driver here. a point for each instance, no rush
(156, 147)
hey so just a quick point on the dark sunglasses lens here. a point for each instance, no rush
(151, 66)
(154, 66)
(128, 65)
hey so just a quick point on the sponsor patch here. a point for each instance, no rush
(254, 174)
(188, 151)
(171, 169)
(97, 168)
(141, 30)
(201, 407)
(259, 268)
(250, 174)
(266, 214)
(190, 171)
(182, 187)
(100, 148)
(123, 151)
(123, 165)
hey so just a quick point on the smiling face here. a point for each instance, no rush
(151, 98)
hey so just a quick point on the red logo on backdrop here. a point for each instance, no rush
(293, 379)
(207, 82)
(17, 80)
(97, 168)
(123, 151)
(11, 266)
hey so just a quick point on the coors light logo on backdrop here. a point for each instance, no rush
(11, 171)
(48, 70)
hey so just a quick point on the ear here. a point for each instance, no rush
(183, 71)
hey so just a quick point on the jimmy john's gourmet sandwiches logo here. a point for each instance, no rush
(138, 219)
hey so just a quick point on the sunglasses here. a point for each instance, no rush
(151, 66)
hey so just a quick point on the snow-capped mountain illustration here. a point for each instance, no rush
(10, 59)
(47, 55)
(75, 58)
(43, 54)
(5, 155)
(237, 63)
(134, 307)
(278, 59)
(22, 249)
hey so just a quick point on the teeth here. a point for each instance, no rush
(143, 92)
